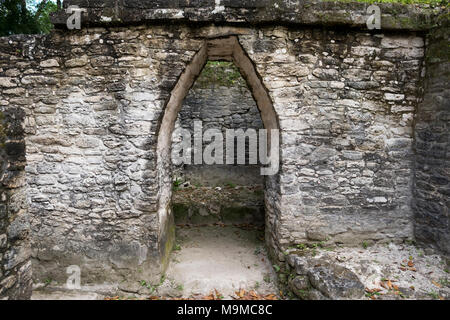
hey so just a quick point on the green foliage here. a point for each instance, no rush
(176, 184)
(303, 294)
(230, 185)
(180, 287)
(433, 294)
(371, 294)
(220, 73)
(25, 16)
(47, 282)
(445, 282)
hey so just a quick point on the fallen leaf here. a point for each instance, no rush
(436, 284)
(373, 290)
(389, 284)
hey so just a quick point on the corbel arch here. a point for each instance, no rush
(217, 49)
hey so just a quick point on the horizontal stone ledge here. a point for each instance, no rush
(394, 16)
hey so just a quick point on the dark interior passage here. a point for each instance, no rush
(218, 193)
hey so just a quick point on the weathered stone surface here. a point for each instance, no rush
(15, 251)
(350, 14)
(90, 109)
(432, 139)
(340, 153)
(321, 278)
(335, 282)
(299, 284)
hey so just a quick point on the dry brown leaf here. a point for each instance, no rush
(389, 284)
(373, 290)
(210, 297)
(436, 284)
(218, 295)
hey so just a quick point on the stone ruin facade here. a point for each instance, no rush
(87, 118)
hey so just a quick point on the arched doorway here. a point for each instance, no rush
(219, 49)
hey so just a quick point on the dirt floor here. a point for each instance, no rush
(218, 259)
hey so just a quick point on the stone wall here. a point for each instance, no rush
(93, 101)
(350, 14)
(432, 147)
(346, 104)
(15, 251)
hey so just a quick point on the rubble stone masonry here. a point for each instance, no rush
(359, 149)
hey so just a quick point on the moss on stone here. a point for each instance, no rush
(220, 73)
(439, 47)
(168, 243)
(438, 52)
(180, 212)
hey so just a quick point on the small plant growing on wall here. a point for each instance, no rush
(176, 184)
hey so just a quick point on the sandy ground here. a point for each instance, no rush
(225, 259)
